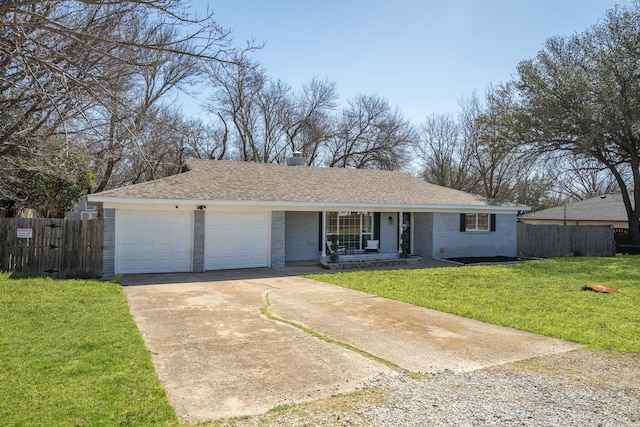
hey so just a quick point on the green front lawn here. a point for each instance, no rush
(70, 354)
(543, 297)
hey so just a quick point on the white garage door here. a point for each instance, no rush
(236, 240)
(153, 242)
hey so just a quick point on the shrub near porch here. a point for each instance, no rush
(542, 297)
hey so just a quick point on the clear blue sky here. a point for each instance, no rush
(421, 55)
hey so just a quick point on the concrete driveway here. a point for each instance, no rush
(217, 355)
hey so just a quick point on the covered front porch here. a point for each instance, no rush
(349, 237)
(352, 235)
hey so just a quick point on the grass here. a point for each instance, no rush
(70, 354)
(335, 411)
(542, 297)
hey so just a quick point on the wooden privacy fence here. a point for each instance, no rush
(57, 247)
(565, 240)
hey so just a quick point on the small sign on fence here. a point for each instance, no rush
(27, 244)
(25, 233)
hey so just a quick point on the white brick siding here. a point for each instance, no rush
(109, 243)
(277, 239)
(198, 240)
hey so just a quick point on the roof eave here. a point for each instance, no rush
(96, 199)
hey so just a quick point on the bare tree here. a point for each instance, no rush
(60, 60)
(537, 190)
(274, 109)
(470, 154)
(446, 155)
(132, 110)
(501, 163)
(266, 120)
(202, 141)
(310, 125)
(238, 85)
(578, 178)
(370, 134)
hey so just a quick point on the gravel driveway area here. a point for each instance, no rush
(580, 388)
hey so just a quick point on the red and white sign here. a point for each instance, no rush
(25, 233)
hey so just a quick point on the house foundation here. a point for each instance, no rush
(350, 262)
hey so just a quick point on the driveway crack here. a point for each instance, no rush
(265, 311)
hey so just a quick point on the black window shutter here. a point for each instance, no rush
(320, 233)
(376, 226)
(463, 222)
(493, 222)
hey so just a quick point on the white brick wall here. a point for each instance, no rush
(109, 243)
(198, 240)
(277, 239)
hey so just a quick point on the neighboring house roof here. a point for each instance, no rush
(235, 182)
(606, 208)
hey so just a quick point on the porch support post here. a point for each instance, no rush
(411, 232)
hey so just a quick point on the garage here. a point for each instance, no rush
(236, 240)
(153, 242)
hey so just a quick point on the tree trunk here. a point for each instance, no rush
(111, 163)
(634, 228)
(633, 212)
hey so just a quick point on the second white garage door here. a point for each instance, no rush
(236, 240)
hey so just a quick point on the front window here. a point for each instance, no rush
(353, 228)
(477, 222)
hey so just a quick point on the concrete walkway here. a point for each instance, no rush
(219, 356)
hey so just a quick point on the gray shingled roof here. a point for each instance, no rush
(216, 180)
(609, 207)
